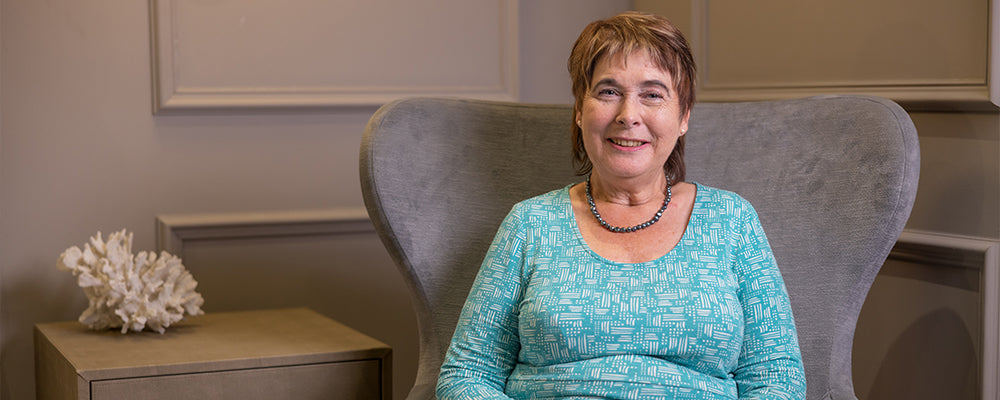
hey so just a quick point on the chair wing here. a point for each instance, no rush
(833, 179)
(438, 176)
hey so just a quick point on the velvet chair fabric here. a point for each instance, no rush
(833, 179)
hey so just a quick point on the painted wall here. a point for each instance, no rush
(81, 152)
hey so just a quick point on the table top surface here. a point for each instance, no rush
(211, 342)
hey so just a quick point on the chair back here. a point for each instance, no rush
(833, 179)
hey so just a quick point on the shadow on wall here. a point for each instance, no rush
(919, 334)
(932, 357)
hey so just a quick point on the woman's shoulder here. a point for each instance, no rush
(717, 193)
(722, 200)
(553, 199)
(546, 208)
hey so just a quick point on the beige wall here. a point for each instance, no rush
(81, 152)
(921, 334)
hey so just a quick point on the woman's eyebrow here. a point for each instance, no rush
(656, 82)
(650, 82)
(606, 81)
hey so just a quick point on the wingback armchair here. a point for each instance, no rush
(833, 179)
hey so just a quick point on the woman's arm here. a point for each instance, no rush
(485, 346)
(770, 364)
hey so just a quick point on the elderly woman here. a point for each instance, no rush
(633, 284)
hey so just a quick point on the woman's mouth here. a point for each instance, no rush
(627, 142)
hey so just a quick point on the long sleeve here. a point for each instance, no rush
(485, 346)
(770, 363)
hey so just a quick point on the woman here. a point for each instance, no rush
(633, 284)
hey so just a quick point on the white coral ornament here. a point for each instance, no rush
(131, 293)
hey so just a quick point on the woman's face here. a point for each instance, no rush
(630, 117)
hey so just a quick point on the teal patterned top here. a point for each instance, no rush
(547, 317)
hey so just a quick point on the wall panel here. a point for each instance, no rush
(930, 328)
(317, 53)
(925, 54)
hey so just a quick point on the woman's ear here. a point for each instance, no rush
(684, 123)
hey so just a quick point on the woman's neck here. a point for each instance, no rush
(635, 191)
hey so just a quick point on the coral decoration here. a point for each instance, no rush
(131, 293)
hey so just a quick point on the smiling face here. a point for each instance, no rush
(630, 117)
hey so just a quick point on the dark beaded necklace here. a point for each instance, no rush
(627, 229)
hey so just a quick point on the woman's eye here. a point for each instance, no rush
(607, 92)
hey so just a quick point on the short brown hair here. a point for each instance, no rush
(621, 35)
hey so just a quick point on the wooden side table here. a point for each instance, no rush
(269, 354)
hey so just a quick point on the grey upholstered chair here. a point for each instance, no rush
(832, 177)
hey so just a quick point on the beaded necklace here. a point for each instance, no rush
(627, 229)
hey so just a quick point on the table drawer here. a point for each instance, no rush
(348, 380)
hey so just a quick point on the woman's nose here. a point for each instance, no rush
(628, 112)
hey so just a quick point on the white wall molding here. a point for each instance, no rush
(857, 59)
(258, 55)
(965, 252)
(172, 231)
(995, 52)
